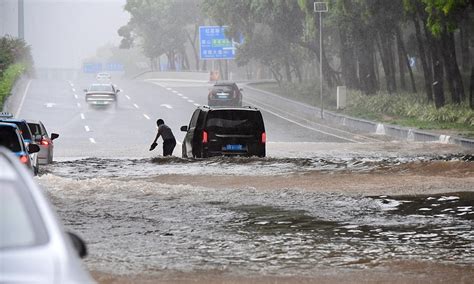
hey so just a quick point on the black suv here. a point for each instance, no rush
(224, 131)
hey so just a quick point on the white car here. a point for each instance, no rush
(34, 248)
(102, 94)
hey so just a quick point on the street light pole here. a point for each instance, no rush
(21, 19)
(321, 7)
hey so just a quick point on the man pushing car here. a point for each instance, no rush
(169, 142)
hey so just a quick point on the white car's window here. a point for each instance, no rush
(20, 224)
(101, 88)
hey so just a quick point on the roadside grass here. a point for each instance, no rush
(404, 109)
(8, 79)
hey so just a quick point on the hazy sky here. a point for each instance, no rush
(64, 32)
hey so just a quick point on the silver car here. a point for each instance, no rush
(43, 140)
(101, 95)
(34, 248)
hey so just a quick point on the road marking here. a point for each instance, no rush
(184, 97)
(136, 106)
(175, 91)
(49, 105)
(146, 116)
(166, 106)
(190, 101)
(23, 98)
(127, 97)
(78, 105)
(92, 140)
(197, 104)
(169, 89)
(73, 89)
(87, 128)
(76, 97)
(82, 116)
(179, 94)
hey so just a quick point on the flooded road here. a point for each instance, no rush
(273, 217)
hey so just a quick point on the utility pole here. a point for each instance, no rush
(21, 19)
(320, 8)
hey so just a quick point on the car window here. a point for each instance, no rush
(234, 121)
(20, 224)
(9, 139)
(101, 88)
(224, 89)
(34, 128)
(194, 119)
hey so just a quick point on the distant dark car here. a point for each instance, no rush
(225, 94)
(102, 95)
(27, 138)
(11, 139)
(44, 141)
(224, 131)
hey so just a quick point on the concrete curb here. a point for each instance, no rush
(398, 132)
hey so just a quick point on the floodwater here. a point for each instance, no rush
(136, 223)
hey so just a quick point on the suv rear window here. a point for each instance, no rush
(9, 139)
(234, 121)
(23, 126)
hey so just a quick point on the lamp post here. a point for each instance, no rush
(321, 7)
(21, 19)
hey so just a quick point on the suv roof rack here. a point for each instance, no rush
(6, 115)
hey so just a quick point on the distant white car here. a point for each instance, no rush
(102, 94)
(103, 76)
(34, 248)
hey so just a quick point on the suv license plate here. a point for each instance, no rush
(233, 147)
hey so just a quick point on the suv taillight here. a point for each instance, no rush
(204, 137)
(44, 142)
(264, 138)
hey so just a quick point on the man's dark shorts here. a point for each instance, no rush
(168, 147)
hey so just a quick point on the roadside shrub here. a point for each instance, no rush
(8, 79)
(408, 106)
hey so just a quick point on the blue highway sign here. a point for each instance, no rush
(214, 44)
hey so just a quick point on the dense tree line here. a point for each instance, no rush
(368, 45)
(14, 50)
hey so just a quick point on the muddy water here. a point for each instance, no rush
(134, 223)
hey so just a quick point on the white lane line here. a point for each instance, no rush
(76, 97)
(184, 97)
(197, 104)
(128, 98)
(169, 89)
(166, 106)
(146, 116)
(78, 105)
(175, 91)
(179, 94)
(23, 98)
(190, 101)
(82, 116)
(136, 106)
(92, 140)
(73, 89)
(87, 128)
